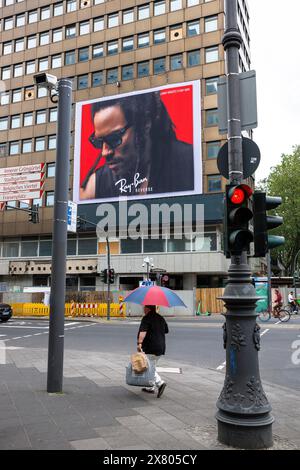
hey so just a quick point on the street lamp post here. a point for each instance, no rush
(59, 243)
(243, 416)
(148, 263)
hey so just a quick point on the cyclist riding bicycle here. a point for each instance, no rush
(292, 302)
(278, 301)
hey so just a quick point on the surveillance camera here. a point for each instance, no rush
(45, 80)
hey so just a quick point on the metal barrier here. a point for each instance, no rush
(71, 309)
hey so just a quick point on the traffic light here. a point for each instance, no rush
(111, 276)
(237, 214)
(103, 276)
(263, 222)
(78, 223)
(34, 214)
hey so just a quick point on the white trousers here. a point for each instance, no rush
(157, 379)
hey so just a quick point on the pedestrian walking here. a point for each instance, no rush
(151, 340)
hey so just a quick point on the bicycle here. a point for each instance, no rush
(290, 308)
(278, 312)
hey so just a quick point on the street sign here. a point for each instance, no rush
(20, 196)
(11, 179)
(251, 158)
(13, 170)
(248, 102)
(21, 186)
(146, 283)
(72, 216)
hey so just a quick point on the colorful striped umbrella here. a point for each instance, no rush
(154, 295)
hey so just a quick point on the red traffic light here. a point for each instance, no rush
(238, 194)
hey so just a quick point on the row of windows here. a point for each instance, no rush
(160, 7)
(143, 39)
(39, 144)
(16, 121)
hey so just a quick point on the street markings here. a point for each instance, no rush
(171, 370)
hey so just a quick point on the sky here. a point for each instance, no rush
(275, 56)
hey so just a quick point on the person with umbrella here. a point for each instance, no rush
(151, 340)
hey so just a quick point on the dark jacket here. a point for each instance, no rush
(172, 170)
(156, 328)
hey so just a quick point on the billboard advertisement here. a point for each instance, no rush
(143, 144)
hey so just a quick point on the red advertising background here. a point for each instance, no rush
(179, 104)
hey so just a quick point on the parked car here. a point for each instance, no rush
(5, 312)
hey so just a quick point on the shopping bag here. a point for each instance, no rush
(139, 362)
(142, 379)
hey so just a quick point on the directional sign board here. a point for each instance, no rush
(21, 183)
(72, 216)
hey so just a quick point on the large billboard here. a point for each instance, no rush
(144, 144)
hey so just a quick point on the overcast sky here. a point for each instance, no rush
(275, 55)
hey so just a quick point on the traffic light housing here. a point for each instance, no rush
(264, 222)
(33, 216)
(78, 223)
(237, 214)
(111, 276)
(103, 276)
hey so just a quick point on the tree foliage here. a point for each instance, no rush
(284, 181)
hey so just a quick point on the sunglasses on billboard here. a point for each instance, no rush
(113, 140)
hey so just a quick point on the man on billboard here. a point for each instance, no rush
(138, 148)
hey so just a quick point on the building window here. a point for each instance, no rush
(71, 31)
(3, 124)
(17, 96)
(177, 245)
(44, 38)
(18, 70)
(82, 82)
(210, 24)
(70, 58)
(212, 117)
(84, 28)
(214, 183)
(131, 246)
(7, 48)
(191, 3)
(159, 65)
(14, 148)
(40, 144)
(175, 5)
(20, 20)
(193, 28)
(49, 198)
(128, 44)
(98, 51)
(41, 116)
(30, 67)
(212, 149)
(127, 72)
(6, 73)
(28, 119)
(97, 79)
(50, 170)
(42, 92)
(143, 69)
(113, 20)
(4, 98)
(45, 13)
(211, 85)
(128, 16)
(57, 35)
(143, 40)
(71, 5)
(15, 122)
(211, 54)
(83, 54)
(43, 64)
(8, 23)
(159, 8)
(19, 45)
(176, 62)
(143, 12)
(3, 150)
(33, 16)
(31, 42)
(112, 75)
(87, 246)
(52, 142)
(193, 58)
(159, 36)
(58, 9)
(56, 61)
(27, 146)
(112, 48)
(53, 115)
(98, 24)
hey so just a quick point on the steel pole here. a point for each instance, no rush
(269, 282)
(294, 270)
(108, 283)
(59, 243)
(243, 409)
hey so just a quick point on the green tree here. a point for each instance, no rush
(284, 181)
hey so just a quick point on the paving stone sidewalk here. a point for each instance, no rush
(98, 411)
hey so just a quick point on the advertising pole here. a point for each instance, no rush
(59, 244)
(108, 278)
(243, 408)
